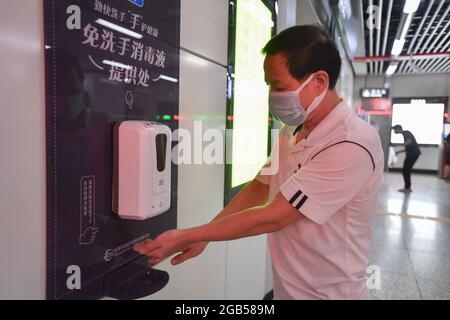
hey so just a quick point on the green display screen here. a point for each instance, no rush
(254, 25)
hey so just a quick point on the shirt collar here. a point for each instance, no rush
(327, 125)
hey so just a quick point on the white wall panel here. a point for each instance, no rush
(287, 14)
(22, 160)
(247, 268)
(306, 13)
(428, 160)
(204, 28)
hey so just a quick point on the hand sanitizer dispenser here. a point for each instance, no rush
(142, 162)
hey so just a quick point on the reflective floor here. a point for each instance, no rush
(411, 240)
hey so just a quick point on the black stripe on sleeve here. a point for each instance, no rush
(301, 203)
(295, 197)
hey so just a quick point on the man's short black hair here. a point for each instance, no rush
(397, 127)
(309, 49)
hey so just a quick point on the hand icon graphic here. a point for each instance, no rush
(88, 236)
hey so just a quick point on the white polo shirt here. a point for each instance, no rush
(332, 177)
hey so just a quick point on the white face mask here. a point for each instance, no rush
(287, 106)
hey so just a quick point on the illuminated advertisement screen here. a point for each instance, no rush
(253, 25)
(424, 120)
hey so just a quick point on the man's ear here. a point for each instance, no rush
(323, 81)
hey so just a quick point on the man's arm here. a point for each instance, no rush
(407, 142)
(246, 223)
(254, 194)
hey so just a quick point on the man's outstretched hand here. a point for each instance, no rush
(169, 243)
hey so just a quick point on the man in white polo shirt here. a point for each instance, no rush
(316, 193)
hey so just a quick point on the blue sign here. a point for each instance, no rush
(139, 3)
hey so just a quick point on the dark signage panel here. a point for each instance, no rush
(106, 62)
(369, 93)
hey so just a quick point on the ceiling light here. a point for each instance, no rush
(411, 6)
(397, 48)
(391, 69)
